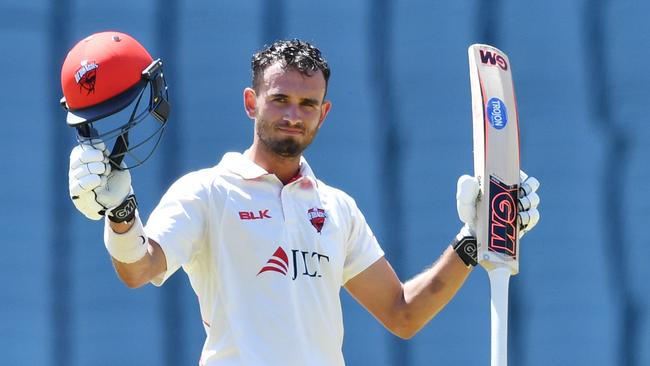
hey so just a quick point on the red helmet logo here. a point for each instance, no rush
(86, 76)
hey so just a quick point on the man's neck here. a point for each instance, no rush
(285, 168)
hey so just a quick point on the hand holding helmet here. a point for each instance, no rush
(101, 76)
(95, 188)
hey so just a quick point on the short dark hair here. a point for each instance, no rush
(296, 54)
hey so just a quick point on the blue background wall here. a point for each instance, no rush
(397, 138)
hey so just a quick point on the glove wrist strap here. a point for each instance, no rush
(125, 211)
(466, 248)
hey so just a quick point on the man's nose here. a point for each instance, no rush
(292, 115)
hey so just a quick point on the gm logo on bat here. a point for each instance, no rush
(492, 58)
(497, 113)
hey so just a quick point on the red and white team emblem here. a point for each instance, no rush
(279, 262)
(317, 218)
(86, 76)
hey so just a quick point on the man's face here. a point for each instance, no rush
(289, 108)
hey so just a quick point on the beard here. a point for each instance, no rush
(287, 146)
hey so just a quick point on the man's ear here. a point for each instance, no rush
(250, 102)
(324, 110)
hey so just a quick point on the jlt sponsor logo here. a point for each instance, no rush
(493, 58)
(303, 263)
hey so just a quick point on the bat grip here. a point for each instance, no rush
(499, 281)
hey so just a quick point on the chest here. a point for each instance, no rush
(268, 232)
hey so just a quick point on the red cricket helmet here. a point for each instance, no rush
(102, 75)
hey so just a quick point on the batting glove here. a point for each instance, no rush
(467, 192)
(528, 202)
(95, 188)
(464, 243)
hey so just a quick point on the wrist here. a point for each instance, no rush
(120, 227)
(128, 246)
(125, 211)
(466, 248)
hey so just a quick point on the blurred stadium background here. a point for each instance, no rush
(398, 137)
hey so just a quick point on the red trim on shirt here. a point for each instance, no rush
(295, 178)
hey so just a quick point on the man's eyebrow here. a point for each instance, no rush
(278, 95)
(312, 101)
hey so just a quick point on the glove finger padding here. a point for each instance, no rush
(87, 162)
(87, 205)
(467, 191)
(94, 144)
(95, 168)
(84, 154)
(527, 221)
(114, 188)
(94, 187)
(528, 201)
(84, 185)
(528, 186)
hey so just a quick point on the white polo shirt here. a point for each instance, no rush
(266, 260)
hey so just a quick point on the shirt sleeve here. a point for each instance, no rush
(362, 248)
(177, 224)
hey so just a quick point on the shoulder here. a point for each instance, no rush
(201, 182)
(209, 177)
(196, 180)
(341, 199)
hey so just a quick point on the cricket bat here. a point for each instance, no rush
(496, 165)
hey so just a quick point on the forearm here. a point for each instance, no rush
(134, 273)
(427, 293)
(139, 273)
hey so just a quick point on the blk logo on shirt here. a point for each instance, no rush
(250, 215)
(303, 263)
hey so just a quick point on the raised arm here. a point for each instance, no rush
(405, 308)
(99, 191)
(142, 271)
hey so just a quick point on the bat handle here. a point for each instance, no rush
(499, 281)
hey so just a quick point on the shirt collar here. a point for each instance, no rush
(239, 164)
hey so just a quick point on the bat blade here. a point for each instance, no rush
(496, 157)
(496, 165)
